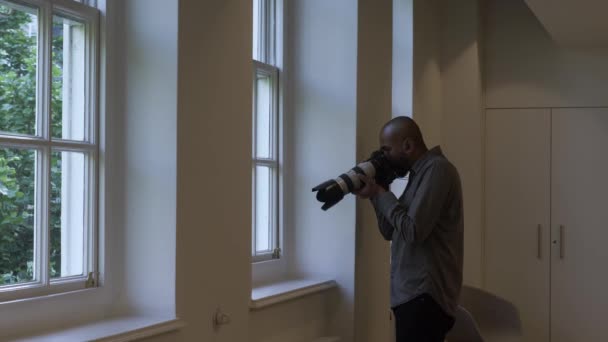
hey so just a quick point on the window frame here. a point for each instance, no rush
(44, 145)
(267, 61)
(273, 163)
(265, 50)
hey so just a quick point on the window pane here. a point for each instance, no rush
(263, 117)
(18, 58)
(256, 29)
(68, 96)
(68, 184)
(17, 196)
(264, 188)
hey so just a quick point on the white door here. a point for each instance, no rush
(579, 271)
(517, 190)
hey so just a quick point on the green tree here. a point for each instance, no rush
(18, 62)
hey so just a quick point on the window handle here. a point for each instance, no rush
(276, 253)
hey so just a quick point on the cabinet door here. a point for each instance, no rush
(579, 214)
(517, 193)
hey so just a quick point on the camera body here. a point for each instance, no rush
(377, 167)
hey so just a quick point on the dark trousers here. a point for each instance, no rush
(421, 320)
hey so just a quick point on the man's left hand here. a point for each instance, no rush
(370, 190)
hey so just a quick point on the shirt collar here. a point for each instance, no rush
(420, 163)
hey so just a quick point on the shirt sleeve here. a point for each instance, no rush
(385, 227)
(416, 222)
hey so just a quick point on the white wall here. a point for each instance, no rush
(403, 57)
(338, 107)
(301, 320)
(213, 168)
(525, 68)
(213, 187)
(374, 84)
(426, 102)
(448, 102)
(403, 68)
(323, 95)
(148, 124)
(462, 103)
(214, 173)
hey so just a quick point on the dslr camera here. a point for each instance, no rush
(377, 167)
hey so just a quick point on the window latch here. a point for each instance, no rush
(90, 281)
(276, 254)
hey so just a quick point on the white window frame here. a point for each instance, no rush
(44, 145)
(264, 46)
(266, 62)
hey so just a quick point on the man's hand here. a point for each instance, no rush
(370, 189)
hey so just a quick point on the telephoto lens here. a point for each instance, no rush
(333, 191)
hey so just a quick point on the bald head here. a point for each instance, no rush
(402, 143)
(403, 127)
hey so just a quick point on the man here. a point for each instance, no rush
(425, 226)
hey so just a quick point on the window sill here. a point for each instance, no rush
(264, 296)
(120, 329)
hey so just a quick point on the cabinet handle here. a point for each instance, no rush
(561, 241)
(539, 241)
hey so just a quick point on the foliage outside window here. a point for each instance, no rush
(48, 146)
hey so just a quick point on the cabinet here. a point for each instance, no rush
(546, 219)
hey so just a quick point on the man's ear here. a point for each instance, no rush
(406, 145)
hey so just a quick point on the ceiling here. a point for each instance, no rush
(580, 23)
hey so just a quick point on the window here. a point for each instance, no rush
(266, 138)
(48, 147)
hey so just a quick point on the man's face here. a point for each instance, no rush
(396, 150)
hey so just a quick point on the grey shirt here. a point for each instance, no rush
(425, 226)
